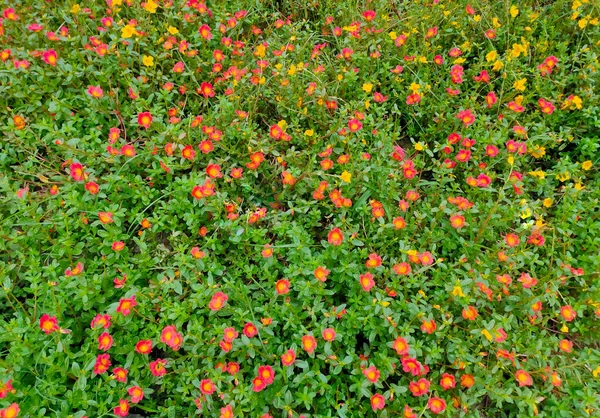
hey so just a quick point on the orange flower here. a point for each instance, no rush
(512, 240)
(467, 380)
(207, 387)
(470, 313)
(402, 269)
(50, 57)
(373, 261)
(122, 410)
(206, 89)
(523, 378)
(226, 412)
(335, 237)
(321, 273)
(420, 387)
(125, 305)
(565, 345)
(102, 364)
(447, 381)
(136, 393)
(250, 330)
(367, 282)
(457, 221)
(428, 326)
(568, 313)
(105, 217)
(282, 287)
(401, 346)
(309, 343)
(171, 337)
(258, 384)
(144, 346)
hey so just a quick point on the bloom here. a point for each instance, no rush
(207, 387)
(367, 282)
(436, 405)
(157, 367)
(144, 119)
(329, 334)
(48, 323)
(144, 346)
(288, 358)
(309, 343)
(126, 304)
(102, 364)
(218, 301)
(377, 402)
(136, 393)
(335, 237)
(523, 378)
(105, 341)
(122, 410)
(372, 374)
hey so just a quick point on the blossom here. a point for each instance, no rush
(50, 57)
(136, 393)
(467, 117)
(171, 337)
(288, 358)
(377, 402)
(457, 221)
(329, 334)
(372, 374)
(447, 381)
(309, 343)
(207, 387)
(48, 324)
(157, 367)
(105, 341)
(568, 313)
(206, 89)
(120, 374)
(335, 237)
(95, 91)
(420, 387)
(125, 305)
(258, 384)
(401, 346)
(436, 405)
(267, 374)
(282, 287)
(218, 301)
(144, 119)
(366, 281)
(76, 171)
(523, 378)
(102, 364)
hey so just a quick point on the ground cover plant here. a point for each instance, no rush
(283, 208)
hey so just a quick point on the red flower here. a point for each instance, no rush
(207, 387)
(335, 237)
(355, 125)
(144, 346)
(230, 334)
(467, 117)
(5, 388)
(206, 89)
(122, 410)
(171, 337)
(102, 364)
(258, 384)
(226, 412)
(512, 240)
(218, 301)
(48, 323)
(11, 411)
(377, 402)
(470, 313)
(568, 313)
(267, 374)
(288, 358)
(457, 221)
(373, 261)
(76, 171)
(447, 381)
(120, 374)
(204, 31)
(50, 57)
(125, 305)
(144, 119)
(436, 405)
(157, 367)
(250, 330)
(428, 326)
(420, 387)
(136, 393)
(95, 91)
(105, 341)
(101, 321)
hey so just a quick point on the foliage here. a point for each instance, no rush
(333, 208)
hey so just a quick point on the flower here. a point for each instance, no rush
(420, 387)
(95, 91)
(372, 374)
(329, 334)
(309, 343)
(568, 313)
(120, 374)
(436, 405)
(125, 305)
(102, 364)
(401, 346)
(122, 410)
(447, 381)
(50, 57)
(267, 374)
(171, 337)
(258, 384)
(157, 367)
(144, 119)
(136, 393)
(321, 273)
(366, 281)
(48, 324)
(217, 301)
(335, 237)
(457, 221)
(523, 378)
(288, 358)
(282, 287)
(144, 346)
(377, 402)
(105, 341)
(250, 330)
(207, 387)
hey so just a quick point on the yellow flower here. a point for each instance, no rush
(393, 36)
(309, 132)
(346, 177)
(564, 328)
(262, 80)
(367, 87)
(260, 50)
(586, 165)
(539, 174)
(491, 56)
(547, 202)
(583, 22)
(351, 28)
(457, 291)
(576, 4)
(486, 334)
(75, 9)
(497, 66)
(520, 84)
(128, 31)
(150, 6)
(519, 99)
(477, 18)
(367, 104)
(537, 151)
(414, 87)
(172, 30)
(514, 11)
(423, 60)
(511, 159)
(596, 372)
(340, 77)
(148, 61)
(496, 23)
(292, 70)
(579, 186)
(563, 176)
(577, 102)
(459, 60)
(282, 123)
(419, 146)
(526, 213)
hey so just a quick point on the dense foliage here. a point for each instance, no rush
(299, 208)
